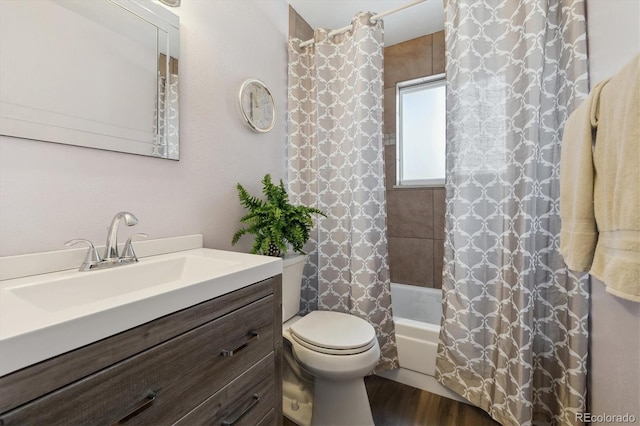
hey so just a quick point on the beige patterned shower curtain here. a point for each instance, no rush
(335, 161)
(514, 336)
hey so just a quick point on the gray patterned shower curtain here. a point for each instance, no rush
(514, 335)
(335, 161)
(166, 119)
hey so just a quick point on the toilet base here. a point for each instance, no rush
(343, 402)
(296, 411)
(297, 390)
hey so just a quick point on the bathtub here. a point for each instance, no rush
(416, 313)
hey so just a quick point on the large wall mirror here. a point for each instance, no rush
(100, 74)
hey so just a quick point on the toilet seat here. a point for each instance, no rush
(331, 351)
(333, 333)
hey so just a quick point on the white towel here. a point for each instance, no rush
(600, 184)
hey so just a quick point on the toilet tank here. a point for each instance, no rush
(292, 268)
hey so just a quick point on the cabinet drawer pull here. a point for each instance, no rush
(252, 337)
(254, 401)
(137, 409)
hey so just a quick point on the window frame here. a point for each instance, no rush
(435, 80)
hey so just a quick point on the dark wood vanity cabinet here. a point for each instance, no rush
(218, 362)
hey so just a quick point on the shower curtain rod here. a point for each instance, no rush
(374, 18)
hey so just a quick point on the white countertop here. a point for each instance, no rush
(30, 333)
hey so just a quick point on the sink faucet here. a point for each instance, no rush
(111, 248)
(111, 257)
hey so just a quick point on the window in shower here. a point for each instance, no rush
(421, 124)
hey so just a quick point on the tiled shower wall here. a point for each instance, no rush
(415, 216)
(298, 27)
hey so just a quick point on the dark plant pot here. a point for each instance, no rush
(274, 251)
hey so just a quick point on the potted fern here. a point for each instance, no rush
(275, 222)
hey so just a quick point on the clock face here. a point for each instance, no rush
(257, 105)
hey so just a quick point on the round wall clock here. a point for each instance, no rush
(257, 106)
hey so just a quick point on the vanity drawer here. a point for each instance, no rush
(245, 401)
(164, 383)
(269, 419)
(26, 385)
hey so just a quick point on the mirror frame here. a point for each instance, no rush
(167, 23)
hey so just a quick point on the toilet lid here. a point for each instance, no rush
(333, 333)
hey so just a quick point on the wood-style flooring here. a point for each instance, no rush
(395, 404)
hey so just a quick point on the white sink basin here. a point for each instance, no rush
(45, 315)
(92, 286)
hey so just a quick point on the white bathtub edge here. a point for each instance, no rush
(417, 339)
(416, 329)
(421, 381)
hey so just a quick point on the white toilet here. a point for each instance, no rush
(327, 355)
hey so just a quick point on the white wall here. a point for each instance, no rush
(50, 193)
(614, 38)
(614, 35)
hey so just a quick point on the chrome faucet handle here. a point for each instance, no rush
(91, 259)
(128, 255)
